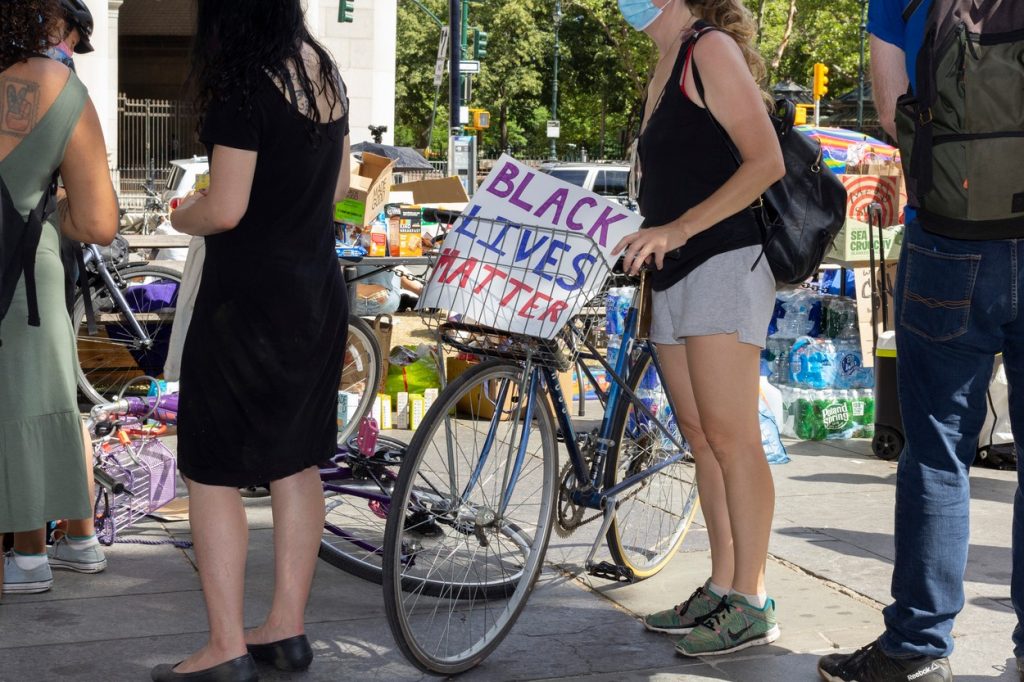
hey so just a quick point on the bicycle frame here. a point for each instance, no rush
(592, 495)
(92, 255)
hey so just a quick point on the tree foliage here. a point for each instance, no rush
(603, 68)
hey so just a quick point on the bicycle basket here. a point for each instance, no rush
(516, 292)
(146, 469)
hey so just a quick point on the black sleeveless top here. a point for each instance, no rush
(684, 160)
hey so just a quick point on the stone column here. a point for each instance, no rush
(98, 70)
(365, 53)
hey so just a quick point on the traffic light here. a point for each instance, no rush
(820, 88)
(481, 119)
(345, 10)
(479, 44)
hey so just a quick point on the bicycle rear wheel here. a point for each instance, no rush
(360, 374)
(115, 357)
(353, 538)
(654, 515)
(477, 516)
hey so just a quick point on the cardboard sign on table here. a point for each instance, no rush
(505, 273)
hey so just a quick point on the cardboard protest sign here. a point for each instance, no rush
(528, 253)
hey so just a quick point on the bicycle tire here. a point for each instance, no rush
(629, 536)
(363, 364)
(99, 382)
(472, 526)
(361, 520)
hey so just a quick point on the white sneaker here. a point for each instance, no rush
(19, 581)
(88, 560)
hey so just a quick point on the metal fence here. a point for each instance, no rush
(150, 134)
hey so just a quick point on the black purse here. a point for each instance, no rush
(801, 214)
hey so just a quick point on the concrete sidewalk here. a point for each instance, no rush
(829, 573)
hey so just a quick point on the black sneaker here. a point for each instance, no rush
(871, 664)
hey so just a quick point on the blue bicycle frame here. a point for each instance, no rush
(591, 495)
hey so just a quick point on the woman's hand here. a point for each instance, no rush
(638, 248)
(188, 200)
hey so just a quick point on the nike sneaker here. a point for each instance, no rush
(871, 664)
(681, 619)
(737, 626)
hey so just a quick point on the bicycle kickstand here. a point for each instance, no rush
(605, 569)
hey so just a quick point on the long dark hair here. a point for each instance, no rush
(239, 42)
(26, 28)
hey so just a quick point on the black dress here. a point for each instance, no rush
(263, 355)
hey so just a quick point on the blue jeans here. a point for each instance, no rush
(957, 306)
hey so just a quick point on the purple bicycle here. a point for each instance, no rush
(135, 475)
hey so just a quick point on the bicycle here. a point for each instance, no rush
(135, 475)
(480, 485)
(124, 340)
(134, 471)
(134, 307)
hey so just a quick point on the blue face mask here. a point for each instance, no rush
(639, 13)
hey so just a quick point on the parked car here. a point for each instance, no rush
(182, 177)
(609, 179)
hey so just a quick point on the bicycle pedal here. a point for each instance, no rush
(609, 571)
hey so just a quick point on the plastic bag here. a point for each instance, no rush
(774, 450)
(411, 369)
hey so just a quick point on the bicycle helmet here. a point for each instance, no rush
(79, 16)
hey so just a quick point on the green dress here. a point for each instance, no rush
(42, 468)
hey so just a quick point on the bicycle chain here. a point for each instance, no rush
(566, 525)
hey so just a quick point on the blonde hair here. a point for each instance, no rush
(732, 17)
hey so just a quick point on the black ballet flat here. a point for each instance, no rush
(241, 669)
(290, 655)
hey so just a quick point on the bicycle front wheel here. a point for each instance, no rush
(116, 357)
(360, 376)
(472, 512)
(653, 515)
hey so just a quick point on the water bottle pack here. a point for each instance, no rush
(616, 308)
(828, 414)
(816, 344)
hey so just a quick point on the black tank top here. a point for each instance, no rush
(683, 161)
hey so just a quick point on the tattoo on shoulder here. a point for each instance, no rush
(19, 106)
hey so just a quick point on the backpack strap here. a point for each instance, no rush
(33, 233)
(911, 9)
(920, 177)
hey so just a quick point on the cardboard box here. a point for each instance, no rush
(888, 191)
(474, 404)
(385, 422)
(570, 385)
(868, 295)
(368, 190)
(852, 246)
(429, 397)
(402, 410)
(416, 411)
(348, 403)
(444, 190)
(405, 230)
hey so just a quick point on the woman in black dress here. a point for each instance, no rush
(263, 354)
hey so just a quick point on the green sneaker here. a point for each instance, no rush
(738, 626)
(683, 618)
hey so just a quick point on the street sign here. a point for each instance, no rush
(469, 66)
(554, 129)
(442, 57)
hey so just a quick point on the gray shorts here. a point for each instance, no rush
(721, 296)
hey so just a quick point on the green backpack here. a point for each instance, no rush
(961, 131)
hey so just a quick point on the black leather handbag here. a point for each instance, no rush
(801, 214)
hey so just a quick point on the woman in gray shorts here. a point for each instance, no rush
(712, 306)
